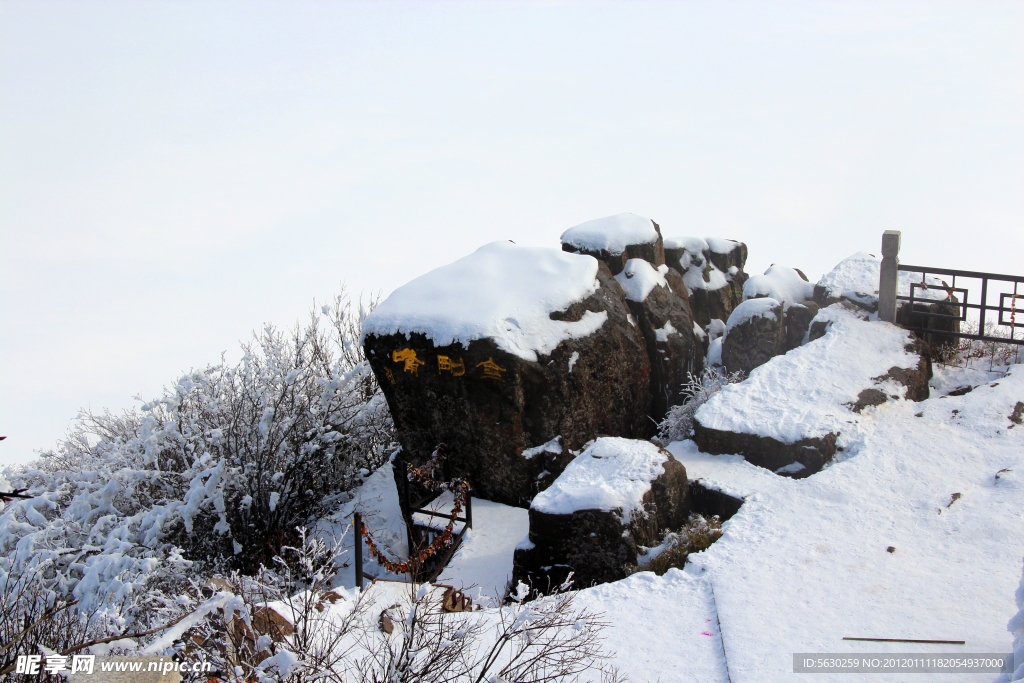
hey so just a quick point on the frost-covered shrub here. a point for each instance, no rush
(678, 423)
(220, 469)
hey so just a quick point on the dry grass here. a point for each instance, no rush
(698, 534)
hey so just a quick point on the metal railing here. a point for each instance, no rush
(958, 299)
(955, 305)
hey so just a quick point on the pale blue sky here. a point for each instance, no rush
(176, 174)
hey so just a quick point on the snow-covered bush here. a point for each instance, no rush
(678, 423)
(219, 470)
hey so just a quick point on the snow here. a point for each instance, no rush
(856, 278)
(501, 291)
(779, 283)
(573, 359)
(721, 246)
(662, 333)
(694, 245)
(1016, 626)
(661, 628)
(779, 401)
(553, 446)
(611, 233)
(638, 278)
(611, 474)
(752, 308)
(715, 351)
(484, 560)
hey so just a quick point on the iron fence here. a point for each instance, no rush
(1011, 304)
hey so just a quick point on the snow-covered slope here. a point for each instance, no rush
(805, 563)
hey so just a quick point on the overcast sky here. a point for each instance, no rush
(176, 174)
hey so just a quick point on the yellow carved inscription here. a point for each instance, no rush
(446, 364)
(408, 356)
(491, 369)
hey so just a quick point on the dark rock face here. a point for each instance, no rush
(798, 322)
(595, 545)
(652, 252)
(764, 451)
(754, 342)
(489, 406)
(672, 346)
(938, 343)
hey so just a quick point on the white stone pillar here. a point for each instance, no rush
(888, 276)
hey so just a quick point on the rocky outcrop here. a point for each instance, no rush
(712, 269)
(754, 334)
(617, 495)
(489, 405)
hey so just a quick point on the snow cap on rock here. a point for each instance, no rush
(501, 291)
(752, 308)
(611, 233)
(612, 474)
(780, 283)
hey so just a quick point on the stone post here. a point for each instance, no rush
(888, 276)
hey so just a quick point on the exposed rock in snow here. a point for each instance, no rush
(616, 494)
(750, 419)
(616, 239)
(754, 333)
(489, 403)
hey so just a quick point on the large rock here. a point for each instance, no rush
(755, 332)
(503, 351)
(775, 419)
(657, 299)
(712, 270)
(615, 496)
(617, 239)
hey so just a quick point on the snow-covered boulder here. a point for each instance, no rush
(505, 350)
(658, 301)
(615, 495)
(781, 420)
(754, 333)
(786, 285)
(712, 269)
(617, 239)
